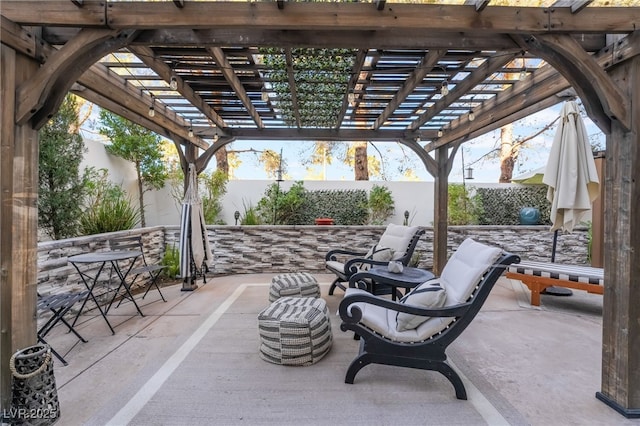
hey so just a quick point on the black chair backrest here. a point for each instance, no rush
(411, 247)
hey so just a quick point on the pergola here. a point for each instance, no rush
(425, 75)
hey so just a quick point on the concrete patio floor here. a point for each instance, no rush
(194, 360)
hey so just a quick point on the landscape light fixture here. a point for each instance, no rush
(236, 216)
(152, 107)
(173, 84)
(265, 95)
(444, 89)
(190, 128)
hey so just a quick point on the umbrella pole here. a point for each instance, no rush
(556, 291)
(189, 283)
(553, 248)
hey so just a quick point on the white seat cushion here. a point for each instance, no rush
(460, 277)
(397, 237)
(428, 295)
(464, 269)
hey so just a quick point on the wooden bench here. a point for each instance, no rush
(540, 275)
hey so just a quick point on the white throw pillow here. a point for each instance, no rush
(429, 294)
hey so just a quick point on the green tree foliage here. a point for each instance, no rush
(464, 209)
(215, 185)
(140, 146)
(60, 182)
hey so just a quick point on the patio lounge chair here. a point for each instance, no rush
(416, 331)
(396, 243)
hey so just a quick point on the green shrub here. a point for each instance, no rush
(171, 260)
(109, 209)
(281, 207)
(381, 205)
(250, 216)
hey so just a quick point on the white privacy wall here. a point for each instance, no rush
(162, 208)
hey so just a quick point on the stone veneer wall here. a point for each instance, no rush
(258, 249)
(276, 249)
(56, 275)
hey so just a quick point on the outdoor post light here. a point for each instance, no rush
(236, 215)
(406, 217)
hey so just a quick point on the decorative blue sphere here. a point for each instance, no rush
(529, 216)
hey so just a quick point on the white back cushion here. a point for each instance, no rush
(397, 237)
(464, 269)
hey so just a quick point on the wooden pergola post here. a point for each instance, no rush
(441, 215)
(18, 220)
(621, 307)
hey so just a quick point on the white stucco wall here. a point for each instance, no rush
(162, 209)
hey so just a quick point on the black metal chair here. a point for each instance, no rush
(153, 271)
(467, 280)
(58, 305)
(402, 241)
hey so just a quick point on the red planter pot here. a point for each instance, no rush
(324, 221)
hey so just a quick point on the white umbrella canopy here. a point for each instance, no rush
(571, 171)
(195, 253)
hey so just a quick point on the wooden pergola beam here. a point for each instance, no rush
(541, 84)
(384, 38)
(574, 5)
(318, 16)
(603, 99)
(415, 78)
(227, 71)
(361, 56)
(148, 57)
(295, 134)
(487, 68)
(100, 80)
(63, 64)
(292, 86)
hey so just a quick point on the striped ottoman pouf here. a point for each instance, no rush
(295, 331)
(301, 284)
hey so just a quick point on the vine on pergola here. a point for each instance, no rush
(321, 80)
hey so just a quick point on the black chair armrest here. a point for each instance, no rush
(354, 265)
(331, 255)
(353, 314)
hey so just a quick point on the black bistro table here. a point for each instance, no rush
(407, 279)
(104, 258)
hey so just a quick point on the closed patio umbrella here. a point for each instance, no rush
(571, 171)
(571, 176)
(195, 253)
